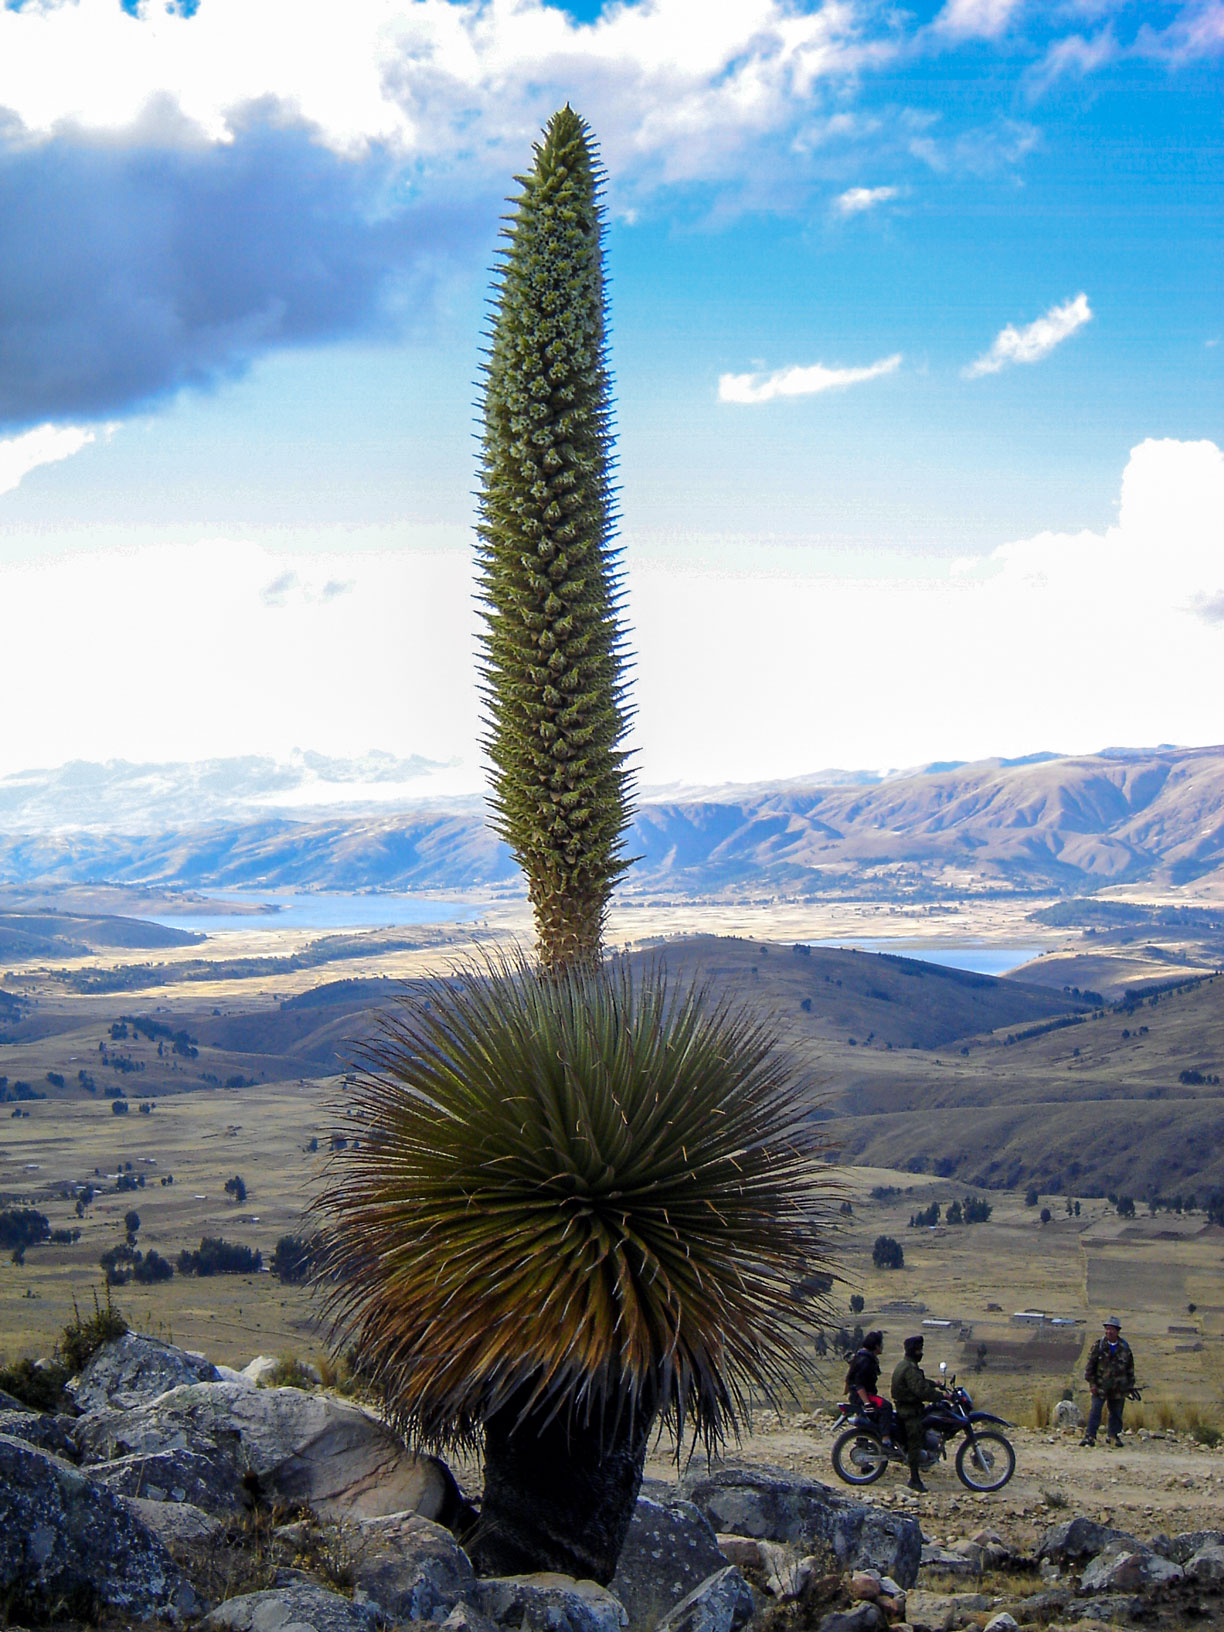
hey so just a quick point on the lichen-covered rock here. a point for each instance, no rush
(298, 1607)
(1206, 1566)
(1066, 1414)
(669, 1550)
(1184, 1546)
(1111, 1609)
(1125, 1569)
(549, 1602)
(864, 1617)
(776, 1506)
(210, 1479)
(304, 1448)
(1078, 1538)
(65, 1542)
(176, 1523)
(131, 1369)
(413, 1569)
(941, 1611)
(463, 1618)
(38, 1428)
(723, 1603)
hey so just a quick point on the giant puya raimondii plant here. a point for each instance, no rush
(554, 660)
(583, 1195)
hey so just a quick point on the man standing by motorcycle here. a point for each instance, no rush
(1110, 1375)
(911, 1391)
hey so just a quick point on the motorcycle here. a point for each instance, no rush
(985, 1459)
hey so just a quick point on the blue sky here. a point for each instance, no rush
(916, 324)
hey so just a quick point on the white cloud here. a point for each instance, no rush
(1065, 641)
(1035, 340)
(798, 381)
(857, 199)
(977, 19)
(1061, 641)
(1072, 55)
(44, 445)
(676, 88)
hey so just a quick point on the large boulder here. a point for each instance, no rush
(1079, 1538)
(776, 1506)
(1126, 1569)
(1206, 1566)
(1066, 1414)
(413, 1569)
(723, 1603)
(131, 1369)
(39, 1428)
(669, 1550)
(178, 1524)
(65, 1544)
(209, 1478)
(1189, 1542)
(549, 1602)
(304, 1448)
(297, 1607)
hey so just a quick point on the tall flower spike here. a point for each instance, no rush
(554, 652)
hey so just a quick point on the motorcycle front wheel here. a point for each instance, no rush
(985, 1462)
(858, 1457)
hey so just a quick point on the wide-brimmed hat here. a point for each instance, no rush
(1113, 1321)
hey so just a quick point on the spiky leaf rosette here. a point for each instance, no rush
(553, 645)
(590, 1194)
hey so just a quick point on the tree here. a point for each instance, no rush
(1030, 1198)
(887, 1253)
(1046, 1215)
(554, 656)
(602, 1192)
(236, 1188)
(131, 1221)
(582, 1194)
(857, 1303)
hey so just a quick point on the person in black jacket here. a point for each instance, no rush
(863, 1382)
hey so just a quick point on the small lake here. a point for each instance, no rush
(978, 959)
(310, 910)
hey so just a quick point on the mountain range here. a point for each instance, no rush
(1048, 823)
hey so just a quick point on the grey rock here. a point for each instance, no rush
(210, 1479)
(549, 1602)
(65, 1542)
(669, 1550)
(176, 1523)
(1185, 1545)
(776, 1506)
(131, 1369)
(297, 1607)
(1042, 1606)
(1080, 1538)
(946, 1561)
(1111, 1608)
(1066, 1414)
(864, 1617)
(413, 1569)
(10, 1402)
(38, 1428)
(302, 1447)
(463, 1618)
(1206, 1566)
(1126, 1569)
(940, 1611)
(722, 1603)
(1002, 1622)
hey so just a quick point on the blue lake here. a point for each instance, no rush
(308, 910)
(981, 960)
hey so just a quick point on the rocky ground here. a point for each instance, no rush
(162, 1491)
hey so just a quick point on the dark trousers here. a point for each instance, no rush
(1113, 1422)
(911, 1429)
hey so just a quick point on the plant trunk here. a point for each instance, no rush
(556, 1498)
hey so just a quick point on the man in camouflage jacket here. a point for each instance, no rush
(911, 1391)
(1110, 1374)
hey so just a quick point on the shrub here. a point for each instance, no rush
(887, 1253)
(151, 1268)
(292, 1260)
(81, 1339)
(216, 1256)
(119, 1107)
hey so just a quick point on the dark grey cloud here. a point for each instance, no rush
(130, 268)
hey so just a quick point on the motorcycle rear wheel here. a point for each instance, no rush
(985, 1462)
(858, 1457)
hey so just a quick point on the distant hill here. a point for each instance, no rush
(1046, 823)
(26, 935)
